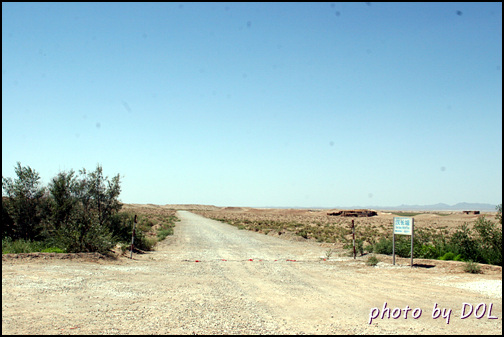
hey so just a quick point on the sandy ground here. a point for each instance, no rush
(244, 282)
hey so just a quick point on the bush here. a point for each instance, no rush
(458, 258)
(447, 256)
(464, 243)
(472, 267)
(490, 241)
(302, 234)
(84, 237)
(53, 250)
(372, 261)
(25, 198)
(163, 233)
(19, 246)
(383, 246)
(428, 252)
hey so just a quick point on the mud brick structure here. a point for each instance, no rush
(354, 213)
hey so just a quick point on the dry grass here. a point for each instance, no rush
(155, 221)
(316, 225)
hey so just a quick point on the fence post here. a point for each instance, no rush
(133, 237)
(353, 238)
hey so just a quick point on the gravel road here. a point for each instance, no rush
(244, 283)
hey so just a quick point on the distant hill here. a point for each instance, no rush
(461, 206)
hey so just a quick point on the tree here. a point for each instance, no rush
(490, 237)
(62, 189)
(24, 201)
(85, 210)
(7, 223)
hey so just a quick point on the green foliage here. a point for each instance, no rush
(143, 242)
(464, 243)
(19, 246)
(447, 256)
(166, 227)
(372, 261)
(359, 246)
(53, 250)
(482, 244)
(77, 214)
(163, 233)
(490, 241)
(472, 267)
(458, 258)
(428, 252)
(85, 211)
(24, 203)
(8, 227)
(383, 246)
(63, 189)
(303, 234)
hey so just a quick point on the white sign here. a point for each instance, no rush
(403, 226)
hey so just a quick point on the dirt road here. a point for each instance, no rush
(244, 282)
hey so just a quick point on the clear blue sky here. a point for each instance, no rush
(259, 104)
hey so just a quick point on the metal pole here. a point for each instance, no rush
(133, 237)
(393, 249)
(412, 231)
(353, 237)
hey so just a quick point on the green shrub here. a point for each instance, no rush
(490, 241)
(372, 261)
(20, 246)
(472, 267)
(383, 246)
(10, 246)
(359, 246)
(447, 256)
(163, 233)
(428, 252)
(463, 242)
(53, 250)
(303, 234)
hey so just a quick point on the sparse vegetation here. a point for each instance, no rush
(479, 241)
(472, 267)
(407, 214)
(372, 261)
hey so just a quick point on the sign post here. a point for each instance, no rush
(353, 238)
(403, 226)
(133, 237)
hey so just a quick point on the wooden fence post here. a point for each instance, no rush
(133, 237)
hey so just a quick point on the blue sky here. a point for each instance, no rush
(259, 104)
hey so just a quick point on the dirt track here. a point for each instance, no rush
(286, 289)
